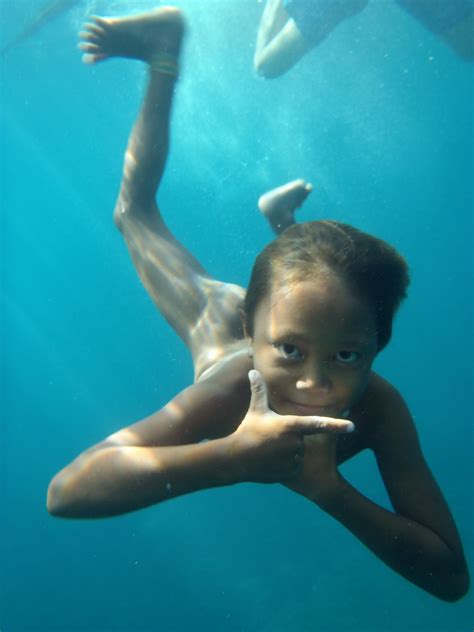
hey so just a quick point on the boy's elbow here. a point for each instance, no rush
(459, 588)
(69, 491)
(456, 587)
(59, 501)
(54, 501)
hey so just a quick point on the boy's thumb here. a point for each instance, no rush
(258, 388)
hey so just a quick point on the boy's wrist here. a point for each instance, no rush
(236, 470)
(330, 494)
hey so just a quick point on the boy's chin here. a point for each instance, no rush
(292, 408)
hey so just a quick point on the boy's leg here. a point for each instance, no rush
(203, 311)
(279, 205)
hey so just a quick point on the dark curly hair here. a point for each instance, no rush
(370, 265)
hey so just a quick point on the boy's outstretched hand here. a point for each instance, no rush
(268, 447)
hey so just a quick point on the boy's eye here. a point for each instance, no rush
(289, 351)
(348, 357)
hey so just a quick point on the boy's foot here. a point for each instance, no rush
(279, 205)
(144, 36)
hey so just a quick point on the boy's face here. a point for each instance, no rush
(314, 343)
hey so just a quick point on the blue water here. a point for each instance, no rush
(379, 119)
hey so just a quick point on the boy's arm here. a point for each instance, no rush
(419, 540)
(163, 456)
(158, 458)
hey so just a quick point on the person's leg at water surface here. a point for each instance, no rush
(180, 287)
(452, 21)
(290, 29)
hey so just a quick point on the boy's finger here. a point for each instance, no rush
(258, 397)
(312, 425)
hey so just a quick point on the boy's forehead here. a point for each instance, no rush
(326, 302)
(324, 291)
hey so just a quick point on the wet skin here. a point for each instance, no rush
(314, 343)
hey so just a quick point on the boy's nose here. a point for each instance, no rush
(314, 378)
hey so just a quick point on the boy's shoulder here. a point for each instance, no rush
(379, 409)
(380, 393)
(227, 388)
(233, 362)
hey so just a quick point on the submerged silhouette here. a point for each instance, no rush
(44, 15)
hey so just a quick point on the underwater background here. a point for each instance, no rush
(380, 119)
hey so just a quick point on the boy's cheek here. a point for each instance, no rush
(359, 387)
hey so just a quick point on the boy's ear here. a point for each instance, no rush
(243, 320)
(248, 337)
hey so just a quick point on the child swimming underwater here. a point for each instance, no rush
(318, 309)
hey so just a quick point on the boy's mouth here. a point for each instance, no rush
(327, 410)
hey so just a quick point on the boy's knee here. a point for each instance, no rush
(258, 67)
(263, 69)
(124, 212)
(119, 213)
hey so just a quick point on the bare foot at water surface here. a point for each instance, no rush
(141, 36)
